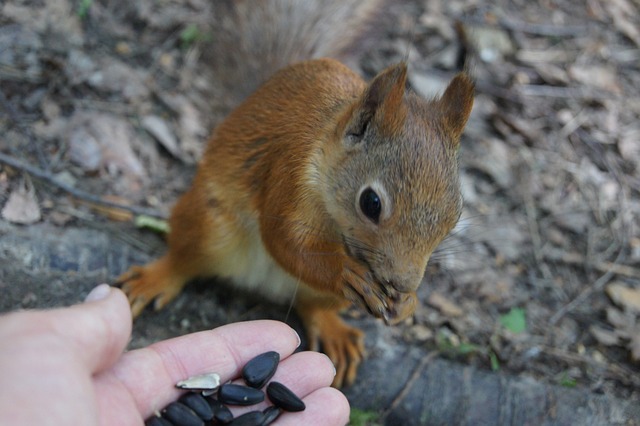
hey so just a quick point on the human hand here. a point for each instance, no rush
(67, 367)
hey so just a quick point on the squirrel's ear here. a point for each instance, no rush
(456, 104)
(384, 94)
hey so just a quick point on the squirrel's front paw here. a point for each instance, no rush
(144, 284)
(381, 301)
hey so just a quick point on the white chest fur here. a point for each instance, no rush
(248, 264)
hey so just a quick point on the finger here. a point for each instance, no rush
(149, 375)
(95, 333)
(325, 407)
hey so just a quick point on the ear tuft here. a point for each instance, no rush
(385, 94)
(456, 104)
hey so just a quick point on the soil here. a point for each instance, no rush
(540, 281)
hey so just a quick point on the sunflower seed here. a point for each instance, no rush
(283, 397)
(252, 418)
(181, 415)
(239, 395)
(157, 421)
(270, 415)
(259, 370)
(220, 411)
(198, 404)
(202, 382)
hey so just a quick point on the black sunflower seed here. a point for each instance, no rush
(181, 415)
(259, 370)
(198, 404)
(283, 397)
(239, 395)
(270, 415)
(221, 412)
(157, 421)
(252, 418)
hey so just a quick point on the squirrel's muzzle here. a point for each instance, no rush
(399, 307)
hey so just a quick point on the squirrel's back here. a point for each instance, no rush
(254, 39)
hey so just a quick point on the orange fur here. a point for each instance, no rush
(273, 203)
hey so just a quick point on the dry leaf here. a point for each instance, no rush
(22, 207)
(160, 130)
(604, 337)
(99, 140)
(444, 305)
(624, 16)
(618, 319)
(491, 43)
(600, 76)
(628, 298)
(628, 145)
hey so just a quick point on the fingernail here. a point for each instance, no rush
(333, 365)
(297, 337)
(98, 293)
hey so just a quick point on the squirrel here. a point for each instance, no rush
(322, 186)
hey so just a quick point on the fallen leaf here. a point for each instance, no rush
(600, 76)
(624, 16)
(444, 305)
(117, 77)
(618, 319)
(623, 296)
(161, 132)
(100, 141)
(603, 336)
(22, 206)
(629, 147)
(422, 333)
(491, 43)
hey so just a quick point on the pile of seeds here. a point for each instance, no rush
(205, 403)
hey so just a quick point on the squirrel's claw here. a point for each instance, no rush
(144, 284)
(343, 344)
(379, 300)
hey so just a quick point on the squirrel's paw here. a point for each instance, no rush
(144, 284)
(343, 344)
(361, 288)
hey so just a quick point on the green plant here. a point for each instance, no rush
(83, 8)
(190, 35)
(514, 320)
(364, 418)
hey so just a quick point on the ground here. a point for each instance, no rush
(541, 278)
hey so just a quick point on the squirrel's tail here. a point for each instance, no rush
(252, 39)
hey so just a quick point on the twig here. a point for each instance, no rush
(587, 292)
(409, 384)
(77, 193)
(601, 266)
(561, 92)
(543, 29)
(613, 370)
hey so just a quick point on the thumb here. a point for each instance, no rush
(103, 326)
(97, 331)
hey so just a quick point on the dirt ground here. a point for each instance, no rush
(541, 278)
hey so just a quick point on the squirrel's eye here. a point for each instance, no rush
(370, 204)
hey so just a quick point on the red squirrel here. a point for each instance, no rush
(322, 186)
